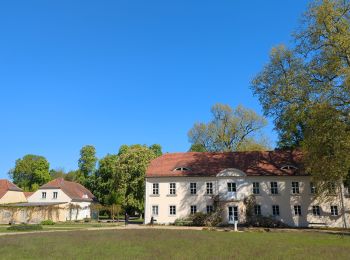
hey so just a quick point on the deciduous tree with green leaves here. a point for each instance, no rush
(230, 129)
(30, 172)
(87, 160)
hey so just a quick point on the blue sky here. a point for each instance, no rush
(109, 73)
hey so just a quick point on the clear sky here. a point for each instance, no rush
(109, 73)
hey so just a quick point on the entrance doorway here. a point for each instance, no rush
(232, 214)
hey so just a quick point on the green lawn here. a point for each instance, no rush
(174, 244)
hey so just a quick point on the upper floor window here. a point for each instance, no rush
(155, 190)
(209, 188)
(193, 188)
(331, 188)
(334, 210)
(43, 195)
(313, 189)
(55, 194)
(274, 187)
(295, 187)
(172, 188)
(316, 210)
(231, 187)
(297, 210)
(256, 188)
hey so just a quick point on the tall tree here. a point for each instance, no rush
(157, 149)
(229, 130)
(87, 160)
(197, 148)
(30, 172)
(306, 89)
(133, 163)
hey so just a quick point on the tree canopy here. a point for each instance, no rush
(229, 130)
(87, 160)
(30, 172)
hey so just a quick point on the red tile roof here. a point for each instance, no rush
(210, 164)
(27, 194)
(5, 186)
(74, 190)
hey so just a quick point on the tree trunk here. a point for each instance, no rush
(342, 206)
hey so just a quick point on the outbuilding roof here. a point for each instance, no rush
(6, 185)
(74, 190)
(266, 163)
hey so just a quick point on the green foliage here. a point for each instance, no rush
(197, 148)
(48, 222)
(229, 130)
(25, 227)
(157, 149)
(30, 172)
(198, 219)
(87, 161)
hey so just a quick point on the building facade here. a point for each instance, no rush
(181, 184)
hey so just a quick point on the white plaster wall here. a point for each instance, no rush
(37, 196)
(285, 199)
(13, 197)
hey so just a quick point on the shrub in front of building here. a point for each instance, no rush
(25, 227)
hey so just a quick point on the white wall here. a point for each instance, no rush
(61, 196)
(285, 199)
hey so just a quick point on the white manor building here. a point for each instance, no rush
(180, 184)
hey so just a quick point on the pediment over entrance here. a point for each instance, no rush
(231, 172)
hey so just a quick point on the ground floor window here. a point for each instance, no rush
(210, 209)
(193, 209)
(172, 210)
(275, 210)
(232, 214)
(257, 210)
(297, 210)
(334, 210)
(155, 210)
(316, 211)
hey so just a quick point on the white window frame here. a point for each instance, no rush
(153, 210)
(210, 209)
(172, 210)
(295, 187)
(43, 194)
(334, 211)
(273, 187)
(231, 187)
(297, 210)
(276, 210)
(209, 190)
(55, 195)
(172, 188)
(193, 209)
(193, 188)
(313, 189)
(155, 188)
(256, 188)
(257, 210)
(316, 210)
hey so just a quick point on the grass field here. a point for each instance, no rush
(174, 244)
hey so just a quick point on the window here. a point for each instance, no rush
(209, 188)
(193, 209)
(256, 188)
(274, 188)
(275, 210)
(257, 210)
(43, 195)
(334, 210)
(172, 210)
(210, 209)
(295, 187)
(331, 188)
(154, 210)
(55, 193)
(155, 189)
(181, 169)
(231, 187)
(297, 210)
(193, 188)
(316, 211)
(172, 190)
(289, 167)
(313, 188)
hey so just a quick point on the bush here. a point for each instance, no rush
(198, 219)
(87, 220)
(47, 222)
(25, 227)
(266, 222)
(183, 222)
